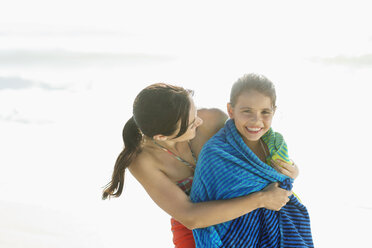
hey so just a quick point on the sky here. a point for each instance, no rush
(69, 72)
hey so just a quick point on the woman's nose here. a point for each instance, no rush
(199, 121)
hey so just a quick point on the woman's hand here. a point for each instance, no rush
(274, 198)
(287, 169)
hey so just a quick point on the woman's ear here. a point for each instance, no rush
(160, 137)
(230, 111)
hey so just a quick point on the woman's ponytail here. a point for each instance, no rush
(132, 138)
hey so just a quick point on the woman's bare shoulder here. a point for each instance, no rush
(213, 120)
(145, 162)
(212, 114)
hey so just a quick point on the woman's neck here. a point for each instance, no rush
(170, 145)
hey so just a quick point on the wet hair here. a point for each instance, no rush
(250, 82)
(158, 109)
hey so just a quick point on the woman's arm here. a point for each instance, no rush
(168, 196)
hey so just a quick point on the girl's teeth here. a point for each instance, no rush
(253, 129)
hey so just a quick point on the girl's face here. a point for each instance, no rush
(252, 114)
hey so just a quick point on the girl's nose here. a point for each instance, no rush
(254, 117)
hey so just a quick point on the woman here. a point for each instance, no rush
(161, 144)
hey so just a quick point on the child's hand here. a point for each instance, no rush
(285, 168)
(275, 197)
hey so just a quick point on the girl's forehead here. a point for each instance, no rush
(253, 99)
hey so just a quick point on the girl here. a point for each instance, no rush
(240, 160)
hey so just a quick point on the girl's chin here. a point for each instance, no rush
(252, 139)
(253, 136)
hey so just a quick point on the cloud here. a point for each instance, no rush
(64, 33)
(29, 30)
(71, 58)
(17, 83)
(16, 116)
(354, 61)
(10, 113)
(15, 119)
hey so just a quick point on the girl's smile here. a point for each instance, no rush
(253, 130)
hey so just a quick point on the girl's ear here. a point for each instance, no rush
(230, 111)
(160, 137)
(274, 109)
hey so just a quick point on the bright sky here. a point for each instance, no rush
(69, 71)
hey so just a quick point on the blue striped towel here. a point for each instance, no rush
(227, 168)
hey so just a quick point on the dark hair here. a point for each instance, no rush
(157, 109)
(253, 82)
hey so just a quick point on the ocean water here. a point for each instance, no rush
(67, 86)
